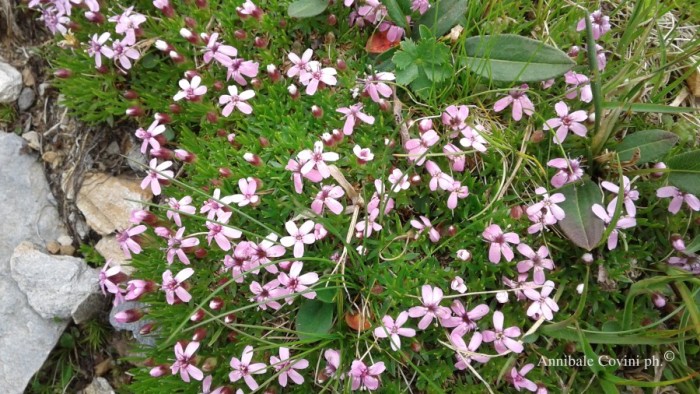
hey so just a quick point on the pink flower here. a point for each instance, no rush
(234, 100)
(520, 381)
(156, 174)
(108, 274)
(179, 206)
(175, 245)
(629, 195)
(458, 285)
(299, 236)
(262, 253)
(503, 339)
(327, 197)
(677, 199)
(213, 206)
(54, 20)
(248, 187)
(391, 328)
(518, 285)
(622, 223)
(466, 353)
(97, 48)
(217, 51)
(332, 357)
(375, 86)
(248, 8)
(135, 288)
(600, 25)
(566, 122)
(316, 75)
(206, 384)
(353, 114)
(499, 243)
(463, 317)
(417, 147)
(543, 305)
(431, 307)
(239, 262)
(320, 232)
(421, 6)
(365, 378)
(184, 362)
(300, 65)
(295, 283)
(297, 177)
(148, 136)
(372, 11)
(600, 55)
(238, 68)
(457, 192)
(580, 85)
(433, 233)
(472, 138)
(127, 243)
(537, 260)
(190, 89)
(435, 173)
(317, 159)
(220, 233)
(265, 295)
(393, 32)
(363, 154)
(454, 117)
(124, 53)
(548, 206)
(521, 103)
(367, 226)
(399, 181)
(127, 23)
(172, 286)
(568, 171)
(288, 367)
(244, 369)
(455, 156)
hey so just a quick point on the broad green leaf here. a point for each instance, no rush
(442, 16)
(306, 8)
(326, 294)
(693, 246)
(509, 57)
(580, 225)
(437, 73)
(652, 145)
(406, 76)
(314, 319)
(395, 12)
(685, 172)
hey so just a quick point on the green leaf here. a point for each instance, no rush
(652, 145)
(685, 172)
(306, 8)
(395, 12)
(443, 15)
(580, 225)
(508, 57)
(405, 77)
(314, 319)
(406, 56)
(649, 107)
(693, 246)
(437, 73)
(326, 294)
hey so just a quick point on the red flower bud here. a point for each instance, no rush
(163, 118)
(131, 95)
(201, 4)
(224, 172)
(341, 65)
(190, 22)
(216, 303)
(197, 316)
(128, 316)
(252, 159)
(212, 117)
(146, 329)
(199, 334)
(160, 370)
(175, 108)
(134, 111)
(260, 42)
(62, 73)
(332, 20)
(316, 111)
(264, 142)
(200, 253)
(94, 17)
(218, 85)
(240, 34)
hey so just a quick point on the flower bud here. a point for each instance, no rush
(337, 135)
(424, 125)
(209, 365)
(197, 316)
(146, 329)
(128, 316)
(200, 253)
(451, 230)
(464, 255)
(316, 111)
(252, 159)
(212, 117)
(231, 138)
(201, 4)
(216, 303)
(677, 242)
(134, 111)
(184, 155)
(103, 69)
(573, 51)
(176, 57)
(62, 73)
(332, 20)
(516, 212)
(190, 22)
(658, 166)
(189, 36)
(273, 72)
(230, 318)
(384, 105)
(293, 91)
(175, 108)
(224, 172)
(416, 346)
(141, 215)
(537, 136)
(256, 83)
(163, 46)
(165, 7)
(94, 17)
(199, 334)
(160, 370)
(161, 153)
(240, 34)
(282, 23)
(414, 180)
(327, 139)
(658, 300)
(264, 142)
(162, 118)
(587, 258)
(340, 65)
(260, 42)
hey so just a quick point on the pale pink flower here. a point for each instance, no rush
(434, 235)
(300, 65)
(317, 75)
(219, 52)
(175, 245)
(394, 330)
(124, 53)
(148, 136)
(320, 231)
(190, 90)
(368, 225)
(380, 197)
(244, 369)
(238, 68)
(600, 25)
(458, 285)
(580, 84)
(537, 260)
(677, 199)
(288, 367)
(454, 117)
(179, 206)
(372, 11)
(239, 263)
(520, 102)
(436, 174)
(237, 101)
(127, 23)
(299, 236)
(127, 244)
(417, 147)
(317, 159)
(332, 357)
(520, 381)
(463, 317)
(629, 195)
(248, 187)
(393, 32)
(107, 275)
(499, 243)
(375, 86)
(328, 197)
(399, 181)
(472, 138)
(352, 115)
(248, 8)
(296, 283)
(265, 295)
(600, 55)
(298, 178)
(421, 6)
(457, 192)
(455, 156)
(54, 20)
(568, 171)
(466, 353)
(464, 254)
(548, 206)
(97, 48)
(206, 384)
(543, 305)
(213, 206)
(503, 338)
(135, 288)
(184, 362)
(363, 154)
(566, 122)
(221, 233)
(623, 222)
(518, 285)
(364, 377)
(172, 286)
(431, 307)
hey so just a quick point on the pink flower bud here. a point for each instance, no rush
(212, 117)
(199, 334)
(216, 303)
(231, 138)
(224, 172)
(176, 57)
(384, 105)
(190, 22)
(197, 316)
(141, 215)
(293, 91)
(131, 95)
(316, 111)
(260, 42)
(252, 159)
(658, 300)
(94, 17)
(574, 51)
(189, 36)
(677, 242)
(332, 20)
(337, 135)
(184, 155)
(327, 139)
(134, 111)
(273, 72)
(201, 4)
(658, 166)
(264, 142)
(128, 316)
(161, 153)
(425, 125)
(163, 232)
(340, 65)
(62, 73)
(163, 118)
(240, 34)
(163, 46)
(175, 108)
(160, 370)
(146, 329)
(587, 258)
(464, 255)
(230, 318)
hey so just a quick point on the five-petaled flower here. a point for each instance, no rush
(352, 115)
(503, 338)
(149, 136)
(298, 236)
(248, 187)
(287, 368)
(433, 233)
(466, 353)
(172, 286)
(127, 243)
(364, 377)
(537, 260)
(191, 90)
(629, 195)
(499, 243)
(219, 52)
(184, 363)
(520, 102)
(600, 24)
(244, 369)
(393, 330)
(328, 197)
(622, 223)
(237, 101)
(520, 381)
(316, 159)
(431, 307)
(97, 48)
(542, 304)
(317, 75)
(295, 283)
(677, 198)
(566, 122)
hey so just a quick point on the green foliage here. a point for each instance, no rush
(646, 145)
(443, 15)
(314, 319)
(580, 225)
(685, 172)
(306, 8)
(422, 64)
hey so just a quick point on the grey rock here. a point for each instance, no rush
(26, 99)
(32, 138)
(99, 386)
(134, 327)
(10, 83)
(56, 286)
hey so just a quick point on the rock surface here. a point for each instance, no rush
(26, 99)
(99, 386)
(104, 201)
(10, 83)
